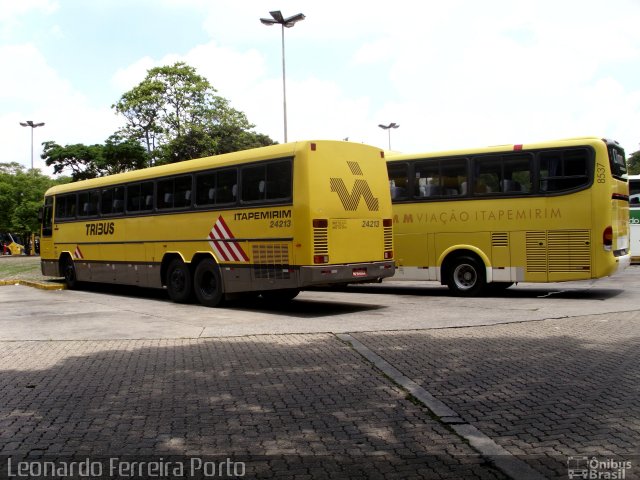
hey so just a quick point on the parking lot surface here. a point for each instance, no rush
(398, 380)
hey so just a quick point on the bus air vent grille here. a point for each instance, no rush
(388, 238)
(320, 241)
(536, 245)
(569, 250)
(500, 239)
(271, 261)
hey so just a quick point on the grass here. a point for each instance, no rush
(21, 268)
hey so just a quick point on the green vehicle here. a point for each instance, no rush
(634, 217)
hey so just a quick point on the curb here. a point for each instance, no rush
(35, 284)
(508, 463)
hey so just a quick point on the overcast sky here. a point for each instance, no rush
(452, 74)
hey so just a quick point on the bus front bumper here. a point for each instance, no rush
(347, 273)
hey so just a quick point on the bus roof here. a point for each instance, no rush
(254, 154)
(566, 142)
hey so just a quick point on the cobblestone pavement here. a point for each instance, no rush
(291, 406)
(545, 391)
(309, 406)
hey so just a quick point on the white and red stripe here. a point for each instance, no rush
(78, 254)
(224, 245)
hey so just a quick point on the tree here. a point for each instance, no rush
(21, 194)
(177, 115)
(90, 161)
(633, 163)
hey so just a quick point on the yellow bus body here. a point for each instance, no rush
(512, 236)
(333, 226)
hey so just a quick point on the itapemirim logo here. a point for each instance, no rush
(360, 189)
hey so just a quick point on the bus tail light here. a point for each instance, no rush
(387, 223)
(321, 259)
(607, 238)
(320, 223)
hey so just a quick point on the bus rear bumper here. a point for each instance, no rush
(623, 262)
(347, 273)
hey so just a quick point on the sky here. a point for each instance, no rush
(452, 74)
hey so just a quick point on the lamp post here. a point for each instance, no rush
(283, 22)
(388, 128)
(30, 123)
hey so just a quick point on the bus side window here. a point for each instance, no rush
(488, 176)
(517, 170)
(227, 187)
(278, 181)
(454, 177)
(564, 170)
(398, 180)
(427, 181)
(47, 217)
(205, 189)
(89, 202)
(252, 176)
(66, 206)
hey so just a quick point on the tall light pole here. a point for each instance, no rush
(283, 22)
(30, 123)
(388, 128)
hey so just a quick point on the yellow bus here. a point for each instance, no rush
(484, 219)
(273, 220)
(11, 244)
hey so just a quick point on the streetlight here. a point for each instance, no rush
(29, 123)
(388, 128)
(284, 22)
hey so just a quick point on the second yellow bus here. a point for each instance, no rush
(481, 219)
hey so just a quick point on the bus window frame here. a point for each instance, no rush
(173, 179)
(264, 201)
(214, 205)
(535, 177)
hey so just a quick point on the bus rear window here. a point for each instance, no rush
(617, 161)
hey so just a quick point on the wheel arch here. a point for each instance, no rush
(456, 251)
(164, 265)
(63, 259)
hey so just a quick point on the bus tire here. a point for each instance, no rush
(465, 276)
(69, 273)
(179, 281)
(208, 283)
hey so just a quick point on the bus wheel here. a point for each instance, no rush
(284, 295)
(69, 273)
(208, 283)
(465, 276)
(179, 283)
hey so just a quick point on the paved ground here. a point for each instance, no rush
(377, 382)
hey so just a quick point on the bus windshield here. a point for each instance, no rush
(617, 161)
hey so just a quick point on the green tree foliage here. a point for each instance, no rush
(177, 115)
(21, 194)
(90, 161)
(633, 163)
